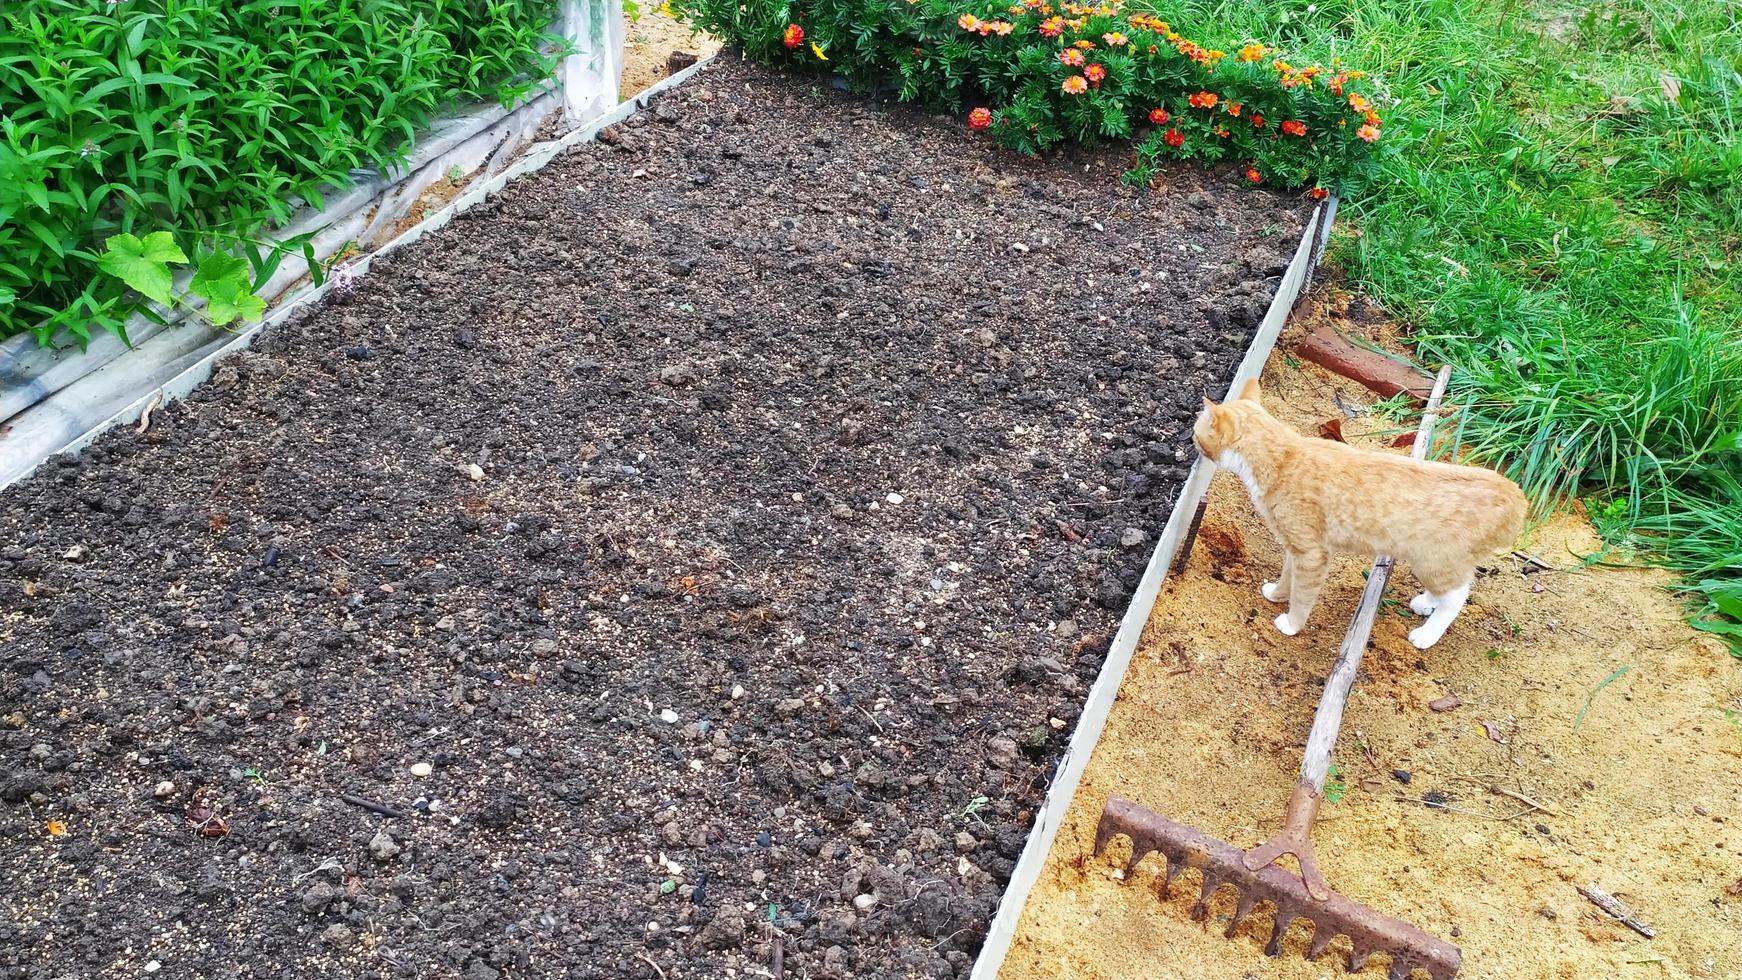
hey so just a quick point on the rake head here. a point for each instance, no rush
(1369, 931)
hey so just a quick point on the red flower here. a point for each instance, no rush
(1318, 194)
(980, 118)
(1294, 127)
(1159, 117)
(794, 35)
(1203, 100)
(1071, 57)
(1253, 175)
(1257, 121)
(1174, 138)
(1234, 109)
(1052, 27)
(1095, 74)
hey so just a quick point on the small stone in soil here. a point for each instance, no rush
(1401, 775)
(383, 847)
(421, 769)
(165, 790)
(668, 716)
(895, 498)
(361, 352)
(1446, 703)
(474, 471)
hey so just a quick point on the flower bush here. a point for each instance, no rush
(1036, 76)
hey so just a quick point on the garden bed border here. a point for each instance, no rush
(19, 462)
(1181, 527)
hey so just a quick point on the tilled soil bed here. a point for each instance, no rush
(707, 542)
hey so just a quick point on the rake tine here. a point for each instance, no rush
(1277, 931)
(1322, 937)
(1241, 911)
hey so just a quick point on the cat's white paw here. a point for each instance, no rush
(1273, 592)
(1284, 626)
(1424, 636)
(1423, 604)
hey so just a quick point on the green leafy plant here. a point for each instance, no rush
(146, 136)
(1039, 77)
(1335, 788)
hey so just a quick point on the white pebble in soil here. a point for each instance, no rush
(421, 769)
(895, 498)
(668, 716)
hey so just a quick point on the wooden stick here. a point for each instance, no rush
(371, 805)
(1617, 908)
(1315, 764)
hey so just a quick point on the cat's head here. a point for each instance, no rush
(1221, 427)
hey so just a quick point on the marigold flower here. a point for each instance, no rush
(1075, 85)
(794, 36)
(1071, 57)
(1257, 121)
(1086, 45)
(1251, 52)
(980, 118)
(1095, 74)
(1114, 38)
(1234, 109)
(1358, 103)
(968, 22)
(1153, 50)
(1372, 118)
(1221, 132)
(1294, 127)
(1159, 117)
(1203, 100)
(1174, 138)
(1052, 27)
(1368, 133)
(1253, 175)
(1318, 193)
(1000, 28)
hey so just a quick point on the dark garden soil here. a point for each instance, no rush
(730, 517)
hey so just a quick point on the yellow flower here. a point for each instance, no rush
(818, 51)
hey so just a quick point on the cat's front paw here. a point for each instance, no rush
(1424, 636)
(1423, 604)
(1273, 592)
(1285, 626)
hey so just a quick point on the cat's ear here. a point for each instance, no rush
(1208, 403)
(1249, 391)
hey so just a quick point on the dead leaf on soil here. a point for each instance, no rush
(1446, 703)
(1332, 429)
(56, 829)
(1493, 730)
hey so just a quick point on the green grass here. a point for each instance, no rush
(1560, 216)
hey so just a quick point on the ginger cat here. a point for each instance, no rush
(1318, 497)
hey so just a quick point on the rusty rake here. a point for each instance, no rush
(1254, 873)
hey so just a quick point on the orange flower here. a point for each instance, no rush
(1222, 133)
(1095, 74)
(968, 22)
(1071, 57)
(1159, 116)
(1114, 38)
(1372, 118)
(794, 36)
(1251, 52)
(1359, 104)
(1257, 121)
(1253, 175)
(1203, 100)
(1368, 133)
(1294, 127)
(998, 27)
(1153, 50)
(1075, 85)
(1174, 138)
(980, 118)
(1234, 109)
(1318, 193)
(1086, 45)
(1052, 27)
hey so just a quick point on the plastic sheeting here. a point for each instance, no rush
(51, 399)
